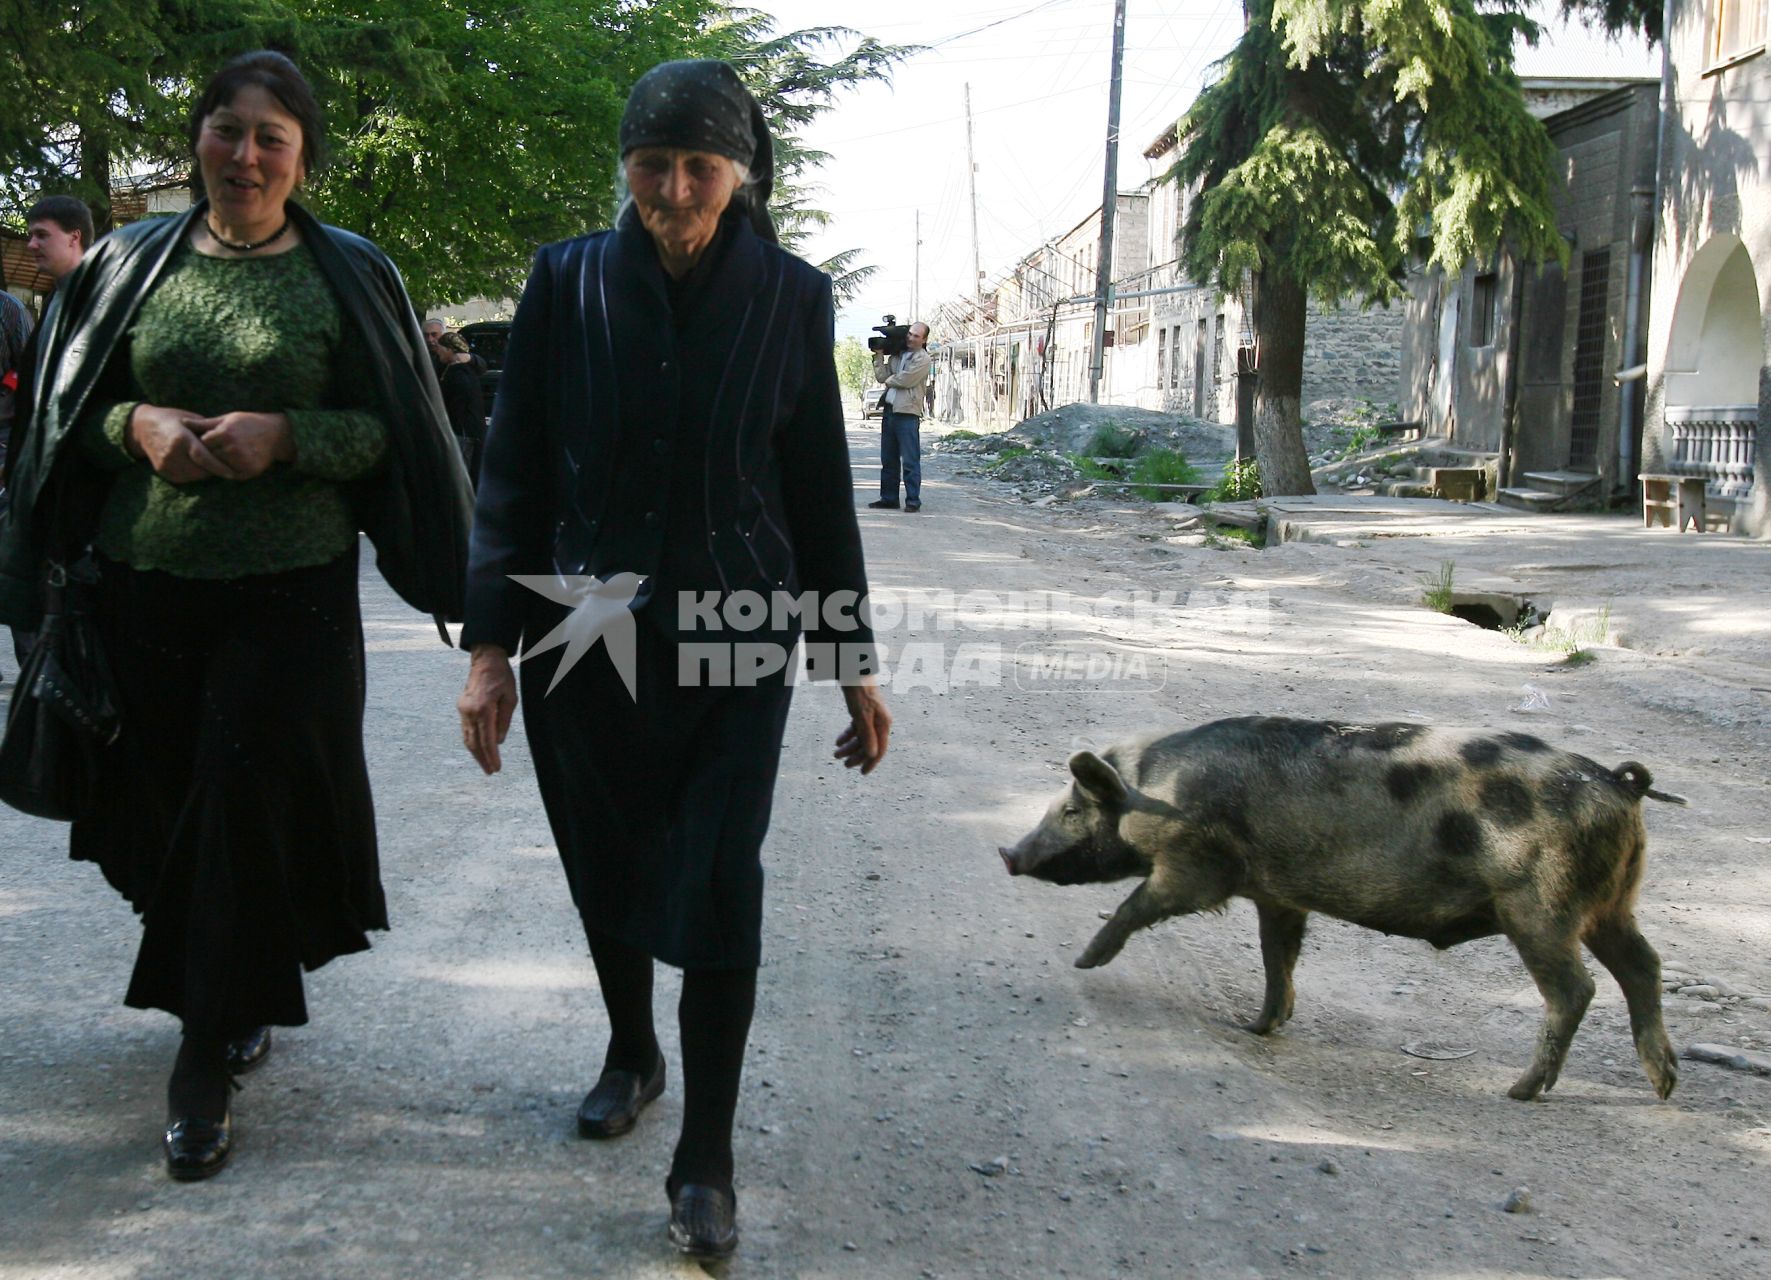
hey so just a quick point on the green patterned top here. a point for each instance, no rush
(219, 335)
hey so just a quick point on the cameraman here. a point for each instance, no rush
(900, 447)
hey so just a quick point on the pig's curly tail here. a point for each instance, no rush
(1640, 782)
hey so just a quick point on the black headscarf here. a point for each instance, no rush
(704, 106)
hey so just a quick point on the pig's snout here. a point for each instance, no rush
(1008, 860)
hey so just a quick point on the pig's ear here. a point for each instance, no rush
(1098, 778)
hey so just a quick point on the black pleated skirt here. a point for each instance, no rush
(659, 805)
(237, 816)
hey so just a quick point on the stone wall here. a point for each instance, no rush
(1354, 353)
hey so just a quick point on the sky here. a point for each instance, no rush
(1038, 72)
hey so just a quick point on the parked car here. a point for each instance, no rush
(873, 403)
(487, 339)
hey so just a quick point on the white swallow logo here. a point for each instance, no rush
(599, 609)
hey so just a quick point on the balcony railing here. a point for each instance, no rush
(1715, 442)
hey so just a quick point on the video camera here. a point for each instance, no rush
(893, 340)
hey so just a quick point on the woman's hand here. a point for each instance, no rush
(863, 743)
(248, 444)
(166, 439)
(487, 704)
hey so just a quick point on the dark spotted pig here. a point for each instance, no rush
(1440, 834)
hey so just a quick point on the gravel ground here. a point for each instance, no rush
(933, 1090)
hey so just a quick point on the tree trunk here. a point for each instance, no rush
(1279, 312)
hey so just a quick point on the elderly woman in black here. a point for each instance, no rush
(668, 437)
(235, 393)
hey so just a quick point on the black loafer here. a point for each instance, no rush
(883, 505)
(704, 1221)
(249, 1051)
(613, 1107)
(913, 506)
(197, 1149)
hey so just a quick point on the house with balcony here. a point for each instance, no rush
(1708, 339)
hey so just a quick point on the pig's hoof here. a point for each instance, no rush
(1663, 1073)
(1527, 1088)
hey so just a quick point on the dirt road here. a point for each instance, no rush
(933, 1089)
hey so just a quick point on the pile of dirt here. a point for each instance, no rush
(1337, 426)
(1074, 428)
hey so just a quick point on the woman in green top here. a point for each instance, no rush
(243, 425)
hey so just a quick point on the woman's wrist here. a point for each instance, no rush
(131, 445)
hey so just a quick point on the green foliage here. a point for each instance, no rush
(1573, 642)
(961, 434)
(854, 367)
(1008, 455)
(1241, 482)
(1437, 593)
(1619, 17)
(1113, 440)
(463, 134)
(1338, 129)
(1089, 469)
(1224, 535)
(1162, 466)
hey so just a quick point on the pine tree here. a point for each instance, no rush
(1341, 140)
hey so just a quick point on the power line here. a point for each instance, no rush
(1025, 13)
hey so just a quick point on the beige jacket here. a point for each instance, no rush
(905, 377)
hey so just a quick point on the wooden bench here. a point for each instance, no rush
(1674, 500)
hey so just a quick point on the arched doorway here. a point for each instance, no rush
(1714, 355)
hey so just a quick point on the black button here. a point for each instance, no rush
(660, 445)
(653, 520)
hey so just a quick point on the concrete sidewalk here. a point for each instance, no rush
(1700, 597)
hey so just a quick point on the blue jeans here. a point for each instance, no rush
(900, 450)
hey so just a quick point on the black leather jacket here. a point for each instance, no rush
(416, 509)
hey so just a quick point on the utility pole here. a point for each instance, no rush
(1109, 206)
(916, 271)
(971, 178)
(971, 181)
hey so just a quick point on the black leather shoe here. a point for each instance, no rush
(883, 504)
(913, 506)
(249, 1051)
(613, 1107)
(198, 1149)
(704, 1221)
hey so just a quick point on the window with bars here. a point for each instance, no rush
(1174, 358)
(1162, 359)
(1199, 352)
(1736, 28)
(1589, 358)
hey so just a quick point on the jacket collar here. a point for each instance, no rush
(732, 287)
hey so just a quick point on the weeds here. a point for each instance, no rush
(1008, 455)
(1573, 643)
(1226, 534)
(1437, 595)
(962, 434)
(1162, 466)
(1113, 440)
(1241, 481)
(1089, 469)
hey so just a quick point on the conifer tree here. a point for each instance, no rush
(1341, 141)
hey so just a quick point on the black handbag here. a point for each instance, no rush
(63, 715)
